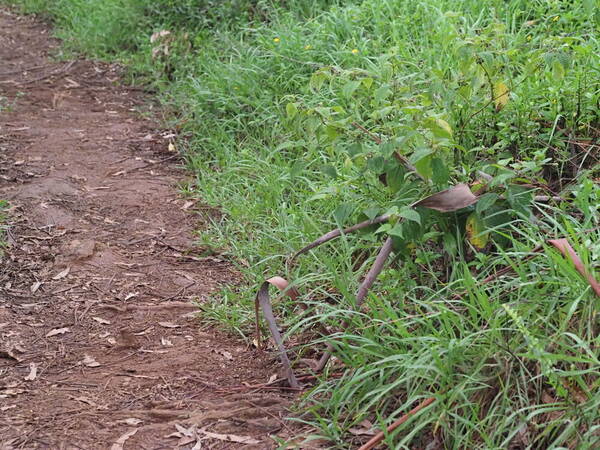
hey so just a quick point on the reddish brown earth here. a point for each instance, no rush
(100, 346)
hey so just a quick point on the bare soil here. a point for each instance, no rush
(100, 343)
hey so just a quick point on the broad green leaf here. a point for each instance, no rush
(317, 80)
(376, 164)
(395, 178)
(372, 212)
(520, 199)
(343, 212)
(396, 231)
(354, 149)
(558, 70)
(439, 172)
(442, 129)
(420, 153)
(410, 214)
(367, 82)
(297, 168)
(423, 167)
(291, 109)
(485, 201)
(329, 170)
(350, 87)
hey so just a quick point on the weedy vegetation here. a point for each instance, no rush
(300, 117)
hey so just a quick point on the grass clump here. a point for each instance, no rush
(292, 114)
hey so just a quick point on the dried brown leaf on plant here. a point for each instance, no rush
(453, 199)
(565, 248)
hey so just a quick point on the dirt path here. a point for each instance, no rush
(98, 338)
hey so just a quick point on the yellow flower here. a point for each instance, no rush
(307, 47)
(355, 51)
(276, 40)
(555, 18)
(529, 37)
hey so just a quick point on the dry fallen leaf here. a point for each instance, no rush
(118, 445)
(230, 438)
(226, 354)
(89, 361)
(32, 372)
(62, 274)
(57, 331)
(453, 199)
(364, 428)
(101, 320)
(35, 286)
(169, 325)
(131, 421)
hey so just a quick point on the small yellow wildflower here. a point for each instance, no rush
(307, 47)
(529, 37)
(355, 51)
(555, 18)
(276, 40)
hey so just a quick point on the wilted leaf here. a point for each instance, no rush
(118, 445)
(57, 331)
(32, 372)
(158, 35)
(169, 325)
(500, 95)
(365, 428)
(476, 231)
(101, 320)
(453, 199)
(131, 421)
(226, 354)
(35, 286)
(230, 438)
(62, 274)
(89, 361)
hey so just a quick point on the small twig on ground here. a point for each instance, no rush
(179, 292)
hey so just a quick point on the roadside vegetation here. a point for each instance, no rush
(300, 117)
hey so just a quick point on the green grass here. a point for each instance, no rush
(265, 95)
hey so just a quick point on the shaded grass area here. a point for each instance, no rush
(267, 97)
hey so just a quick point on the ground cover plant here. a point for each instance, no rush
(302, 117)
